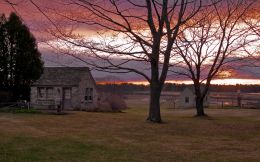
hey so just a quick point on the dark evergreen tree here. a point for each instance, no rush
(22, 60)
(3, 53)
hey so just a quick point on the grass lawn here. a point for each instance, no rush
(227, 135)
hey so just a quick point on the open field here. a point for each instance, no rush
(217, 99)
(227, 135)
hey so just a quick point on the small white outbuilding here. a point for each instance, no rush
(187, 99)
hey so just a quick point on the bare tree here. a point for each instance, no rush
(211, 41)
(130, 33)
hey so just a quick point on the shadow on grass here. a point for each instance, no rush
(56, 113)
(204, 117)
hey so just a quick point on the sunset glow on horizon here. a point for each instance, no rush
(227, 81)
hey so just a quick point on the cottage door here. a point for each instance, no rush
(66, 98)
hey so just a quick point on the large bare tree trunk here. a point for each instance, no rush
(200, 106)
(154, 107)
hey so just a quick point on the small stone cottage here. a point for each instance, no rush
(187, 99)
(70, 88)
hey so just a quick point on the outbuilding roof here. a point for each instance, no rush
(61, 76)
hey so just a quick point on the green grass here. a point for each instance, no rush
(28, 111)
(226, 135)
(20, 110)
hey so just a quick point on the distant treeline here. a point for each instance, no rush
(127, 87)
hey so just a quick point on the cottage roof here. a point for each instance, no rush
(61, 76)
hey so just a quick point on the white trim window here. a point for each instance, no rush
(45, 93)
(41, 93)
(89, 94)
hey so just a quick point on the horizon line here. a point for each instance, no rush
(226, 81)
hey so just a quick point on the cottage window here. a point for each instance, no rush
(187, 99)
(41, 93)
(89, 94)
(49, 93)
(86, 94)
(45, 93)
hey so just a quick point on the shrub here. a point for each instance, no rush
(108, 102)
